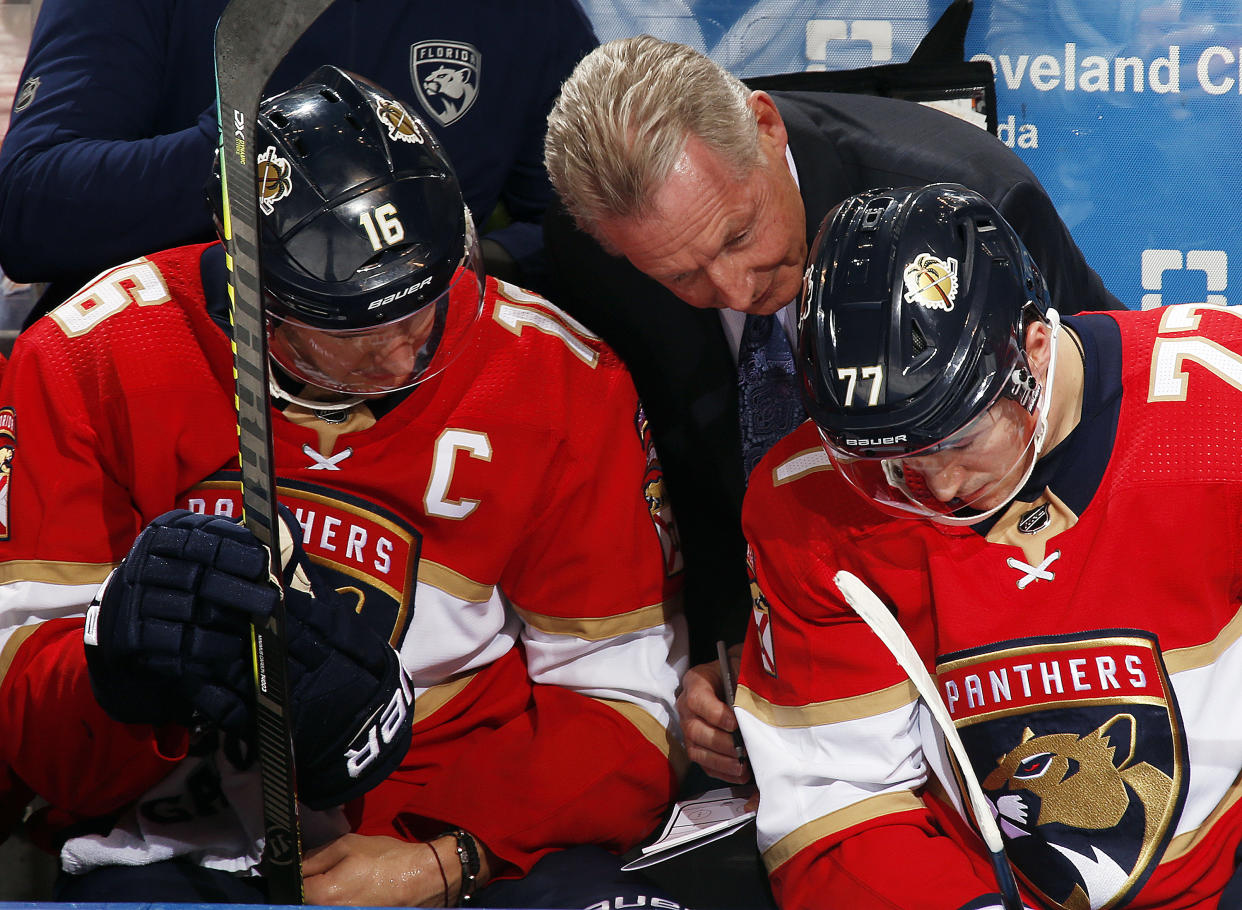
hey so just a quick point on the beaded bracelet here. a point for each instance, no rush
(468, 853)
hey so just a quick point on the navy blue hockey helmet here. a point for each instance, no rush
(363, 229)
(911, 328)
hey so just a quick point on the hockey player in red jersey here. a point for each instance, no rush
(1051, 512)
(466, 476)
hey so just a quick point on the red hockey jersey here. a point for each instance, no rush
(504, 525)
(1089, 658)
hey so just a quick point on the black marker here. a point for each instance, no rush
(726, 676)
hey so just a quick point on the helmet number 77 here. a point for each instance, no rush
(851, 374)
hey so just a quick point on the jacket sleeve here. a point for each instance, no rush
(91, 171)
(1073, 286)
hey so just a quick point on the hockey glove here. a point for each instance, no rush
(353, 703)
(169, 631)
(170, 636)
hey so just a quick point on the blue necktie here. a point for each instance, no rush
(769, 400)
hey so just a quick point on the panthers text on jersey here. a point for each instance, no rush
(504, 524)
(1085, 643)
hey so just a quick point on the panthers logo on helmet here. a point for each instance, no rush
(931, 281)
(446, 77)
(274, 181)
(401, 126)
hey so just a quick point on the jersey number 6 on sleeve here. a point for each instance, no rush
(134, 282)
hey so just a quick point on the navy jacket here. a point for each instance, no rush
(112, 139)
(685, 374)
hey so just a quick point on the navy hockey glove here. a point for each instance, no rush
(170, 635)
(169, 631)
(353, 703)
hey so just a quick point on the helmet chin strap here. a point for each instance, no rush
(1037, 441)
(279, 391)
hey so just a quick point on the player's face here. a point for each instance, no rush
(360, 362)
(972, 469)
(719, 240)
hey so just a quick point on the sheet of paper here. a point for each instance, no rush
(696, 822)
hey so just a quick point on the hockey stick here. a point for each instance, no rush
(252, 38)
(867, 605)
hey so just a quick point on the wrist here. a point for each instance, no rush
(469, 855)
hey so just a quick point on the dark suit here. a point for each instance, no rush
(685, 374)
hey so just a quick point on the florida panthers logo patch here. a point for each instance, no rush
(657, 500)
(761, 616)
(446, 77)
(1079, 747)
(401, 126)
(274, 180)
(931, 281)
(8, 450)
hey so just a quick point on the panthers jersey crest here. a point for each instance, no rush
(1079, 746)
(446, 77)
(368, 554)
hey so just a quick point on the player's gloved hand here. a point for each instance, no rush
(169, 631)
(170, 636)
(353, 703)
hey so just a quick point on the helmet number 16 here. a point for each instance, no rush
(382, 226)
(850, 376)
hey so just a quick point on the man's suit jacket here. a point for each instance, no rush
(684, 371)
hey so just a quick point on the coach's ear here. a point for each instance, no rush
(772, 132)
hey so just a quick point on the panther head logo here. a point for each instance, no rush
(1059, 787)
(451, 86)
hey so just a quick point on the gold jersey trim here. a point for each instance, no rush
(1195, 656)
(9, 652)
(838, 710)
(590, 628)
(55, 573)
(1183, 843)
(808, 461)
(432, 699)
(854, 814)
(652, 731)
(453, 583)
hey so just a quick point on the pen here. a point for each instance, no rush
(726, 676)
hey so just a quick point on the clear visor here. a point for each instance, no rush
(959, 480)
(379, 360)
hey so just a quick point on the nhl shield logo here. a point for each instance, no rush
(1079, 746)
(446, 77)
